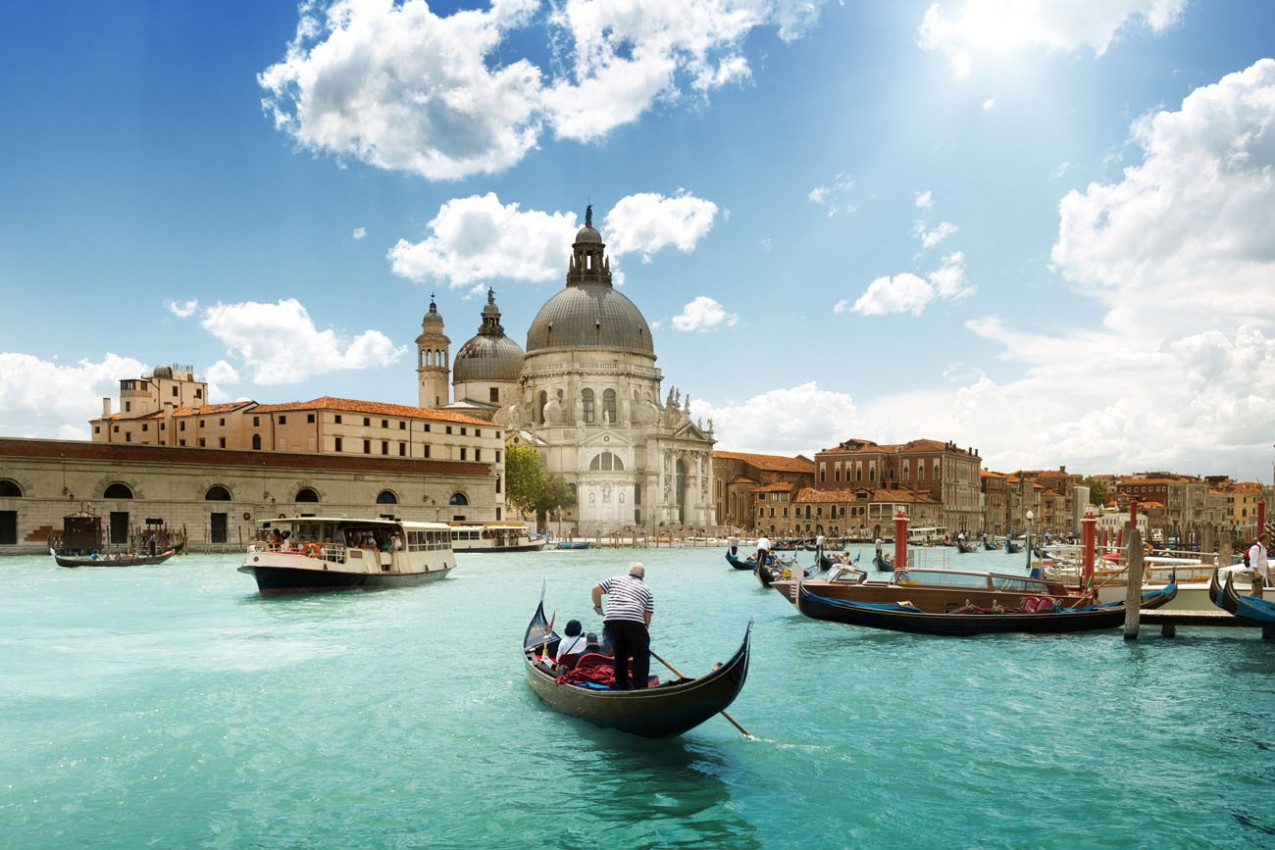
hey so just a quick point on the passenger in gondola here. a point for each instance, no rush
(763, 549)
(592, 644)
(572, 646)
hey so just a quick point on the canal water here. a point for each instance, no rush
(170, 707)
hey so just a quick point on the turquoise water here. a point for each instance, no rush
(171, 707)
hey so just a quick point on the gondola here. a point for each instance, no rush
(1253, 608)
(134, 560)
(990, 545)
(883, 563)
(741, 563)
(774, 571)
(903, 617)
(663, 711)
(1011, 547)
(965, 548)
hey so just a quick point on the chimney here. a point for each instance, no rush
(106, 407)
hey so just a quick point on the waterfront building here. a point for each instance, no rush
(949, 475)
(860, 513)
(738, 477)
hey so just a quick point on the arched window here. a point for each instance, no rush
(586, 403)
(608, 406)
(256, 442)
(540, 408)
(385, 497)
(9, 490)
(458, 499)
(217, 494)
(307, 494)
(606, 462)
(118, 491)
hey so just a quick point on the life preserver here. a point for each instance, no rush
(312, 550)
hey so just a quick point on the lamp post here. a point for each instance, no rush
(1028, 547)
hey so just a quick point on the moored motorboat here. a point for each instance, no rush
(936, 591)
(318, 554)
(1043, 616)
(662, 711)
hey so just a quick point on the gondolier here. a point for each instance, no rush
(626, 621)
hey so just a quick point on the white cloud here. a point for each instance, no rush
(925, 200)
(182, 309)
(794, 420)
(908, 293)
(989, 104)
(704, 314)
(359, 233)
(222, 372)
(1182, 243)
(397, 87)
(979, 28)
(474, 240)
(831, 196)
(279, 344)
(39, 398)
(930, 238)
(646, 222)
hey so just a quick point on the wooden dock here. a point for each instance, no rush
(1168, 621)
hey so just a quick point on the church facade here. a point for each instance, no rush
(586, 394)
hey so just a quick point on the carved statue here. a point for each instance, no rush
(588, 216)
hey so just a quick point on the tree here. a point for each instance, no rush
(1097, 491)
(529, 488)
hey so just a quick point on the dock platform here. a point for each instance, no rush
(1168, 621)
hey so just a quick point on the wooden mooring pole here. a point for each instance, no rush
(1133, 591)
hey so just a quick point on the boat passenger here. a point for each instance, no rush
(572, 645)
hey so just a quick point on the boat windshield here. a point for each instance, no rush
(941, 578)
(1019, 584)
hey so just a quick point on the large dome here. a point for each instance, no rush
(590, 315)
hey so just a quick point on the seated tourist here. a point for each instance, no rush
(571, 645)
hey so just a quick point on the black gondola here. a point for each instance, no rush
(1011, 547)
(659, 712)
(133, 560)
(741, 563)
(908, 618)
(1255, 609)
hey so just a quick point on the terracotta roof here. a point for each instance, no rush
(810, 494)
(203, 410)
(741, 479)
(777, 487)
(771, 463)
(375, 408)
(869, 447)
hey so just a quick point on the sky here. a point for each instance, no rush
(1042, 230)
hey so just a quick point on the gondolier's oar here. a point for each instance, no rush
(678, 673)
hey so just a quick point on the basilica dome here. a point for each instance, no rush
(590, 316)
(589, 313)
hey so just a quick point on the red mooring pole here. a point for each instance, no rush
(1088, 532)
(900, 540)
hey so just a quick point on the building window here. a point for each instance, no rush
(283, 420)
(201, 443)
(336, 444)
(117, 491)
(385, 497)
(426, 451)
(337, 419)
(128, 436)
(402, 449)
(463, 453)
(586, 399)
(458, 499)
(367, 422)
(309, 418)
(307, 494)
(221, 442)
(256, 420)
(146, 426)
(198, 393)
(385, 423)
(256, 442)
(174, 392)
(385, 447)
(608, 406)
(402, 425)
(478, 454)
(128, 407)
(449, 429)
(367, 447)
(493, 395)
(181, 426)
(606, 462)
(222, 422)
(217, 494)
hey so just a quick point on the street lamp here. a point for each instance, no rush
(1030, 515)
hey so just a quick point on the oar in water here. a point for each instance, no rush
(678, 673)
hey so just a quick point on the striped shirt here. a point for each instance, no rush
(628, 599)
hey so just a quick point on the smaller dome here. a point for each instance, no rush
(162, 372)
(488, 358)
(588, 234)
(432, 317)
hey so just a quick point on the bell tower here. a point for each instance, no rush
(432, 360)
